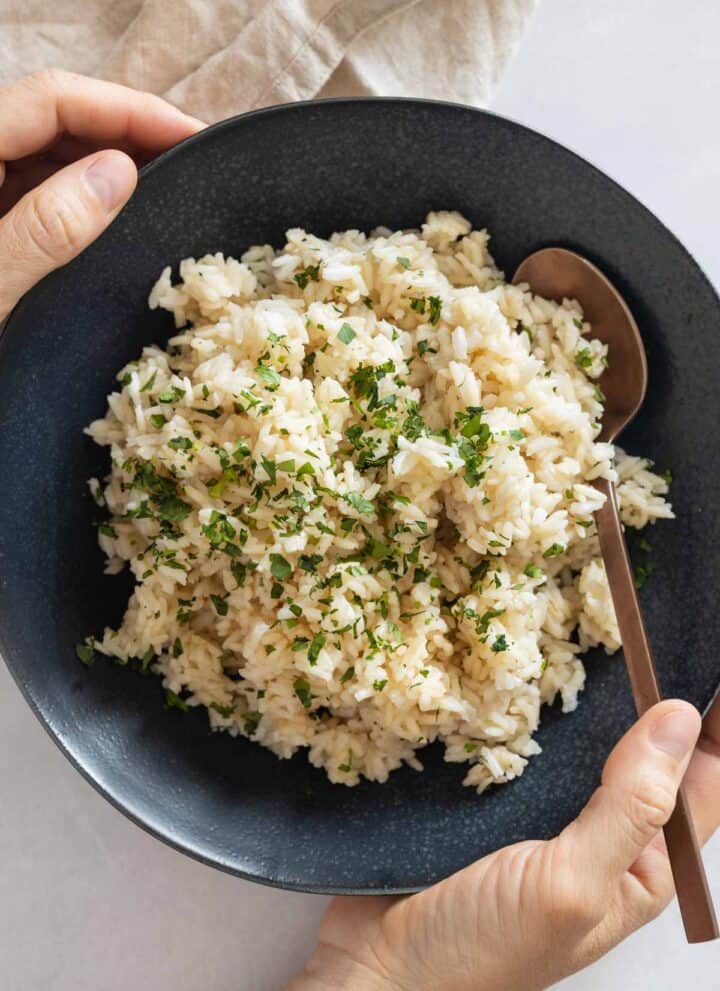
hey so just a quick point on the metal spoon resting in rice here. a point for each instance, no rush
(556, 273)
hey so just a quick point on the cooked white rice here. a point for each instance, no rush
(355, 493)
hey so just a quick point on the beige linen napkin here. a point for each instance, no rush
(215, 58)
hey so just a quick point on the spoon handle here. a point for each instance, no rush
(691, 885)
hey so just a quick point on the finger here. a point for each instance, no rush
(703, 777)
(636, 797)
(56, 220)
(37, 109)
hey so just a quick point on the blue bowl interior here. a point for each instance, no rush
(330, 166)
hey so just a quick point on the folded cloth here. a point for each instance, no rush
(215, 58)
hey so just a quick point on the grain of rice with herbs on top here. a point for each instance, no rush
(355, 494)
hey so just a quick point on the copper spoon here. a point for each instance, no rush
(557, 273)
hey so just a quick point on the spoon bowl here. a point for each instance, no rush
(558, 273)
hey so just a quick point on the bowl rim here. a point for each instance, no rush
(187, 847)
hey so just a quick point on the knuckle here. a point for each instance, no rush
(47, 79)
(147, 101)
(147, 105)
(651, 805)
(53, 226)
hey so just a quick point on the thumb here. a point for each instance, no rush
(56, 220)
(636, 797)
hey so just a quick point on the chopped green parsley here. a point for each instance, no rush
(316, 645)
(280, 568)
(435, 304)
(171, 395)
(301, 687)
(85, 653)
(268, 376)
(150, 382)
(642, 573)
(583, 358)
(173, 701)
(311, 273)
(346, 333)
(220, 603)
(180, 443)
(222, 710)
(358, 502)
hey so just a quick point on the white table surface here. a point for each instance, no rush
(88, 902)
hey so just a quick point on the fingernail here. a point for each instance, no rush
(676, 732)
(108, 178)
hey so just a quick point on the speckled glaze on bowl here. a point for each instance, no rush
(330, 166)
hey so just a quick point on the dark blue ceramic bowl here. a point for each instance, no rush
(330, 166)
